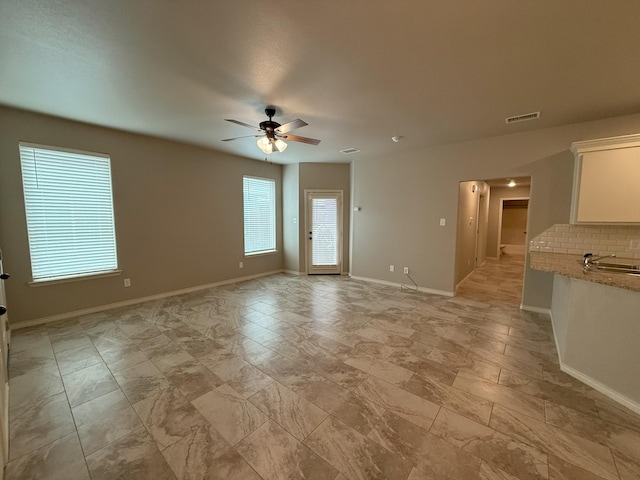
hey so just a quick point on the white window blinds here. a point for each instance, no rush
(259, 195)
(69, 209)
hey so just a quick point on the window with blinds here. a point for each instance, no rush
(259, 200)
(69, 209)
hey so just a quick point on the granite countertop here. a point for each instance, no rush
(571, 266)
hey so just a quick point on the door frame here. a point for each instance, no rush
(482, 219)
(307, 226)
(502, 200)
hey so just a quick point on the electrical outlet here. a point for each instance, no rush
(241, 265)
(127, 282)
(392, 268)
(406, 270)
(634, 245)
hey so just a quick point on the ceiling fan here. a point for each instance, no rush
(272, 133)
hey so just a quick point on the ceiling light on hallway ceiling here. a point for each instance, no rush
(396, 138)
(511, 184)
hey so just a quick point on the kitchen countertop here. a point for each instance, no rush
(571, 266)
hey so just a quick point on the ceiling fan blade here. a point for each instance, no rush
(297, 138)
(287, 127)
(243, 124)
(236, 138)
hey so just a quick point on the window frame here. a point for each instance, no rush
(274, 224)
(101, 207)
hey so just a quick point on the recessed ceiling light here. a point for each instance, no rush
(511, 184)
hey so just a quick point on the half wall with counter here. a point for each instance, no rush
(595, 315)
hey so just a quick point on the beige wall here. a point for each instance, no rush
(468, 222)
(498, 194)
(291, 216)
(178, 212)
(403, 197)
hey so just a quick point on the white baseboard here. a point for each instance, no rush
(587, 380)
(531, 308)
(133, 301)
(600, 387)
(398, 285)
(294, 272)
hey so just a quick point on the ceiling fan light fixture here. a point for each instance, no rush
(269, 145)
(265, 145)
(280, 145)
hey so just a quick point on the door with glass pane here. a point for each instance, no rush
(324, 231)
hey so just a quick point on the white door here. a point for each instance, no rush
(324, 231)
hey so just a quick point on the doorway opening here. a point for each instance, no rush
(491, 237)
(512, 226)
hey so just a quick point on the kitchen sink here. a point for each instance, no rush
(612, 267)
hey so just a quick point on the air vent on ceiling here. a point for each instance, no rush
(348, 151)
(522, 118)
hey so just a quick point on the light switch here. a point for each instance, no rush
(443, 222)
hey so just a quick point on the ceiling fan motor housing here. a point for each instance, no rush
(269, 126)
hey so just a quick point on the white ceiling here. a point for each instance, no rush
(357, 71)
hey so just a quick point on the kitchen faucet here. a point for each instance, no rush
(589, 259)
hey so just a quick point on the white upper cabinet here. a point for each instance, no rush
(606, 181)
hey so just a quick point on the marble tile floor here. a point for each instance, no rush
(319, 377)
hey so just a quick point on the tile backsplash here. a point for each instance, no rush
(624, 241)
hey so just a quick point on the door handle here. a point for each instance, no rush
(3, 310)
(5, 276)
